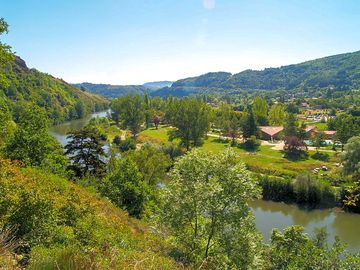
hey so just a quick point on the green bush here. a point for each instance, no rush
(276, 188)
(127, 144)
(321, 156)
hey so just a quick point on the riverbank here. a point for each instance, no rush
(268, 214)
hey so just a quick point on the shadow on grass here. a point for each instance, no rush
(222, 140)
(321, 156)
(296, 156)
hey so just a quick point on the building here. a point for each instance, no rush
(270, 133)
(311, 131)
(330, 134)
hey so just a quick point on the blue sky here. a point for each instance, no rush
(135, 41)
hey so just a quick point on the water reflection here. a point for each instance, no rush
(60, 131)
(269, 215)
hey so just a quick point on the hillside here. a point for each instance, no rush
(61, 100)
(341, 72)
(61, 223)
(114, 91)
(157, 85)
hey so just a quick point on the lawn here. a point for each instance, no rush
(265, 160)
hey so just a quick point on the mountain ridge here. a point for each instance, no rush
(341, 71)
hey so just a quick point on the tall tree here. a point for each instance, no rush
(260, 110)
(191, 118)
(206, 210)
(129, 111)
(277, 115)
(249, 127)
(148, 111)
(345, 129)
(86, 153)
(291, 125)
(351, 157)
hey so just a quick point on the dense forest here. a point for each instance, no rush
(61, 100)
(340, 72)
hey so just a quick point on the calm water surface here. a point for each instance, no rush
(60, 131)
(269, 215)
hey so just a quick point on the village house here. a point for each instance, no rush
(270, 133)
(330, 134)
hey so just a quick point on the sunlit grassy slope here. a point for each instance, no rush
(62, 224)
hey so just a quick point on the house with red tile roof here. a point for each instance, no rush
(270, 133)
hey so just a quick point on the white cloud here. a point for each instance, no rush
(209, 4)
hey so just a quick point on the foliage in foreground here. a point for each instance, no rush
(293, 249)
(61, 225)
(205, 209)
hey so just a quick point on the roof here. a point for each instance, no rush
(271, 130)
(310, 128)
(329, 132)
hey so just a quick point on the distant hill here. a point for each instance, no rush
(61, 100)
(341, 72)
(157, 85)
(114, 91)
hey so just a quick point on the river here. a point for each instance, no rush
(268, 214)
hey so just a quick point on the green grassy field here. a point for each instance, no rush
(265, 160)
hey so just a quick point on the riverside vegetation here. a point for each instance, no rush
(147, 203)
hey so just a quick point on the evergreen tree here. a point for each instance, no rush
(291, 125)
(86, 153)
(249, 127)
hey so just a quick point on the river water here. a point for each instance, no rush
(268, 214)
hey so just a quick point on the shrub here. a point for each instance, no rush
(251, 144)
(127, 144)
(306, 190)
(276, 188)
(321, 156)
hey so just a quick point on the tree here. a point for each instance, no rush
(191, 118)
(294, 146)
(7, 125)
(260, 110)
(148, 111)
(233, 132)
(31, 142)
(294, 249)
(125, 188)
(86, 153)
(6, 56)
(351, 157)
(156, 121)
(345, 129)
(206, 210)
(291, 125)
(129, 111)
(319, 140)
(249, 127)
(152, 163)
(277, 115)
